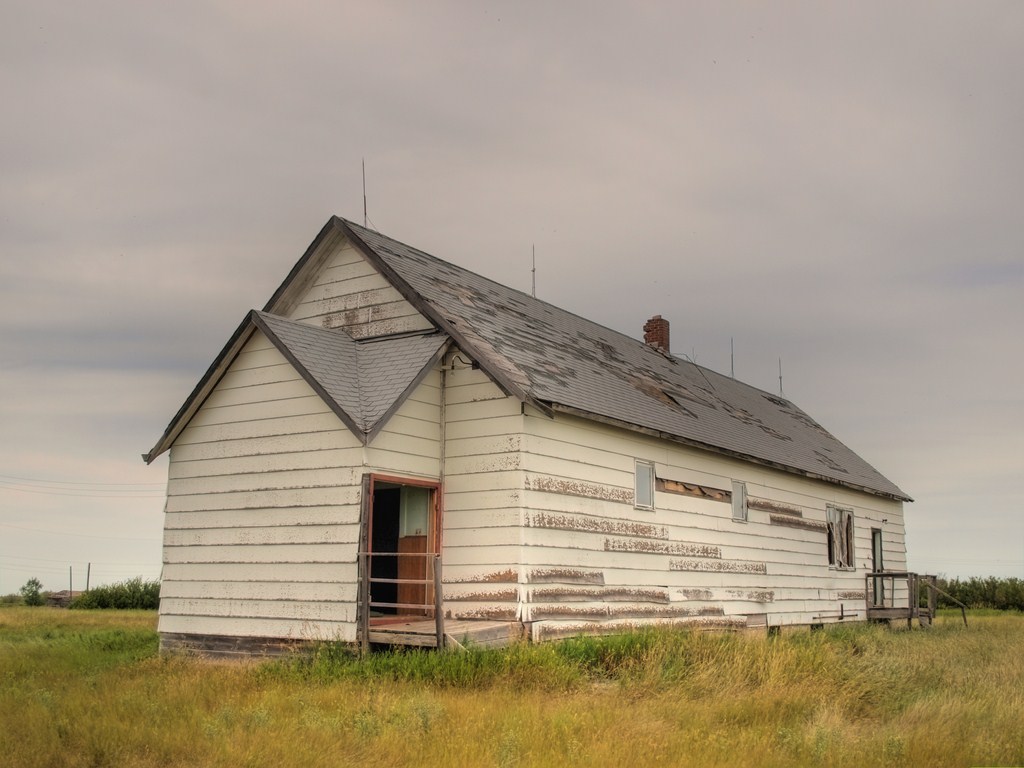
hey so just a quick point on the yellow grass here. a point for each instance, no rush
(87, 689)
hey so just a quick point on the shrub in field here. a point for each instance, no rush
(131, 594)
(11, 599)
(990, 592)
(32, 592)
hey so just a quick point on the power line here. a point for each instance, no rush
(41, 563)
(80, 495)
(74, 482)
(80, 536)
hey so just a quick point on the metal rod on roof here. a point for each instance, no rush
(533, 271)
(365, 217)
(732, 358)
(780, 378)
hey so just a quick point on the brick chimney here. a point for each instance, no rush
(656, 333)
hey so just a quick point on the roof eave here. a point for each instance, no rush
(203, 389)
(569, 410)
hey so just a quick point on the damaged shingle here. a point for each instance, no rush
(555, 357)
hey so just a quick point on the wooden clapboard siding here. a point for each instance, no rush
(410, 442)
(483, 497)
(578, 512)
(340, 574)
(190, 625)
(261, 535)
(268, 590)
(262, 515)
(349, 293)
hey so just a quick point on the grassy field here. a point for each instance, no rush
(87, 688)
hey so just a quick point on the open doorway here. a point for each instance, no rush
(877, 566)
(402, 538)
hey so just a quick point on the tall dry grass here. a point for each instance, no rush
(85, 689)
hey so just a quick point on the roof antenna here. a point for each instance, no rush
(533, 249)
(365, 217)
(781, 393)
(732, 358)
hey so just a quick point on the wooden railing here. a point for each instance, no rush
(880, 589)
(432, 594)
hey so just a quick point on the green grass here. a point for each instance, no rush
(88, 689)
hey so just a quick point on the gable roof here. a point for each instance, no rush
(543, 355)
(364, 382)
(559, 361)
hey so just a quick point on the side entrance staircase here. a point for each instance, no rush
(905, 595)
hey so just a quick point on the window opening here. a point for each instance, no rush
(643, 492)
(839, 525)
(739, 501)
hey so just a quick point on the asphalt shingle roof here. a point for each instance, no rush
(563, 360)
(366, 379)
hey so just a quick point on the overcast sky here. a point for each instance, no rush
(838, 186)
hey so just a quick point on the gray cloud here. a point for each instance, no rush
(834, 186)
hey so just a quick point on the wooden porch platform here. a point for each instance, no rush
(923, 615)
(457, 633)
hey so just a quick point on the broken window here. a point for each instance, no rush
(739, 501)
(839, 524)
(643, 492)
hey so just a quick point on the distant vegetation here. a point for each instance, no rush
(990, 592)
(133, 594)
(32, 593)
(87, 688)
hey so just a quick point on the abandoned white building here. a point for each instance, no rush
(394, 439)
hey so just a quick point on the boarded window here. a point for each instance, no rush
(644, 486)
(839, 522)
(739, 501)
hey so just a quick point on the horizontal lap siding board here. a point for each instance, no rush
(342, 627)
(298, 610)
(580, 473)
(266, 517)
(483, 494)
(268, 590)
(329, 574)
(258, 455)
(261, 535)
(349, 293)
(224, 436)
(262, 516)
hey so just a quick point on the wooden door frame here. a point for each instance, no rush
(369, 481)
(877, 566)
